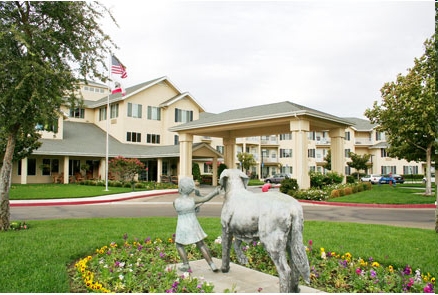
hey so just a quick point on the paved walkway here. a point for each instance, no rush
(168, 195)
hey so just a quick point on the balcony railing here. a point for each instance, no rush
(363, 141)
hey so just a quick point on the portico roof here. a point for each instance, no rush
(266, 119)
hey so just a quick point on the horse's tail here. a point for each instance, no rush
(297, 248)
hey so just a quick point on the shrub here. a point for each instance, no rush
(311, 194)
(351, 179)
(289, 186)
(335, 193)
(348, 191)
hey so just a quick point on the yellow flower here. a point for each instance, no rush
(391, 268)
(375, 264)
(322, 250)
(432, 280)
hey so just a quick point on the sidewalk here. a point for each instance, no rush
(204, 189)
(239, 279)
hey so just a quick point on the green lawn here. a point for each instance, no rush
(36, 260)
(386, 194)
(60, 191)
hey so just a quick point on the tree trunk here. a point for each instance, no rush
(5, 183)
(428, 191)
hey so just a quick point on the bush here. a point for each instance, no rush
(351, 179)
(311, 194)
(319, 180)
(289, 186)
(335, 193)
(348, 191)
(206, 179)
(221, 168)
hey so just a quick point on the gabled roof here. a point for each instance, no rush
(281, 110)
(361, 124)
(88, 140)
(130, 91)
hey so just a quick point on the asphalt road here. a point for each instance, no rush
(162, 206)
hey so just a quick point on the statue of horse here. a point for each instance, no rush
(276, 219)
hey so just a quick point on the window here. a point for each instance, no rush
(220, 149)
(114, 110)
(347, 135)
(347, 170)
(50, 126)
(153, 138)
(50, 166)
(286, 136)
(311, 135)
(380, 135)
(134, 110)
(176, 140)
(286, 169)
(77, 113)
(384, 153)
(388, 169)
(133, 136)
(183, 116)
(208, 167)
(347, 153)
(311, 153)
(102, 114)
(285, 153)
(410, 169)
(154, 113)
(74, 166)
(31, 166)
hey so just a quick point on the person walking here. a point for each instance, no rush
(188, 229)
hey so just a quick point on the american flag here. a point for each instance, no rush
(118, 68)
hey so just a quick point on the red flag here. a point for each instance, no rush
(118, 89)
(118, 68)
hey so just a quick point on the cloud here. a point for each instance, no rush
(331, 56)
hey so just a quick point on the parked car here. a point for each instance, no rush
(387, 178)
(432, 178)
(277, 178)
(373, 178)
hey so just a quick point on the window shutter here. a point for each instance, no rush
(129, 109)
(139, 110)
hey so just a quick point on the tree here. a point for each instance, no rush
(407, 112)
(196, 172)
(46, 48)
(246, 160)
(328, 161)
(358, 162)
(126, 169)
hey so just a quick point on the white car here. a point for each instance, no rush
(373, 178)
(432, 178)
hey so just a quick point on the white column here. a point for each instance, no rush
(230, 152)
(185, 155)
(66, 176)
(215, 176)
(159, 169)
(337, 149)
(23, 178)
(299, 130)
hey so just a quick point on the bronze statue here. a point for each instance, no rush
(274, 218)
(188, 229)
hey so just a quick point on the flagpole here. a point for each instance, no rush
(107, 125)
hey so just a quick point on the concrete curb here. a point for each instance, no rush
(145, 194)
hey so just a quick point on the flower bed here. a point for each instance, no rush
(143, 267)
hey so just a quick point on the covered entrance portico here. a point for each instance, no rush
(277, 118)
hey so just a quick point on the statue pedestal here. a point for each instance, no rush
(239, 279)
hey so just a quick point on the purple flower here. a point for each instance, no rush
(162, 255)
(428, 288)
(358, 271)
(117, 264)
(148, 239)
(407, 270)
(373, 273)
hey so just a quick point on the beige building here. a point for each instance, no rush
(168, 130)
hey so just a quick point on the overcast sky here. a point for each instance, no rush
(333, 56)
